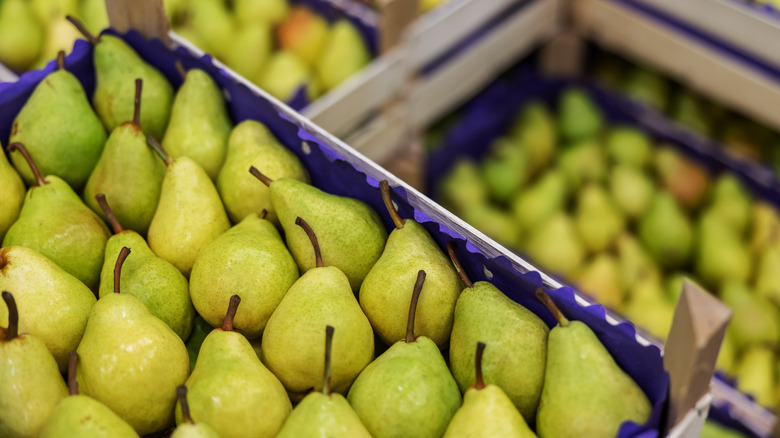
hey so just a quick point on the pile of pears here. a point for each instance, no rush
(188, 278)
(280, 47)
(626, 220)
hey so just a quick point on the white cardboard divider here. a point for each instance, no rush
(6, 75)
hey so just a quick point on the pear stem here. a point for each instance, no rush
(458, 267)
(103, 203)
(418, 285)
(16, 146)
(328, 359)
(267, 181)
(61, 60)
(83, 29)
(139, 85)
(384, 187)
(13, 316)
(263, 214)
(181, 392)
(227, 322)
(550, 304)
(120, 260)
(73, 385)
(159, 149)
(313, 237)
(180, 68)
(480, 382)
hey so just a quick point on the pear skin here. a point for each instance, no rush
(21, 34)
(188, 428)
(13, 190)
(343, 54)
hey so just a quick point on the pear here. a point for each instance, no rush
(291, 345)
(721, 254)
(21, 34)
(260, 11)
(304, 33)
(344, 54)
(536, 204)
(80, 416)
(462, 186)
(324, 413)
(686, 180)
(94, 14)
(767, 274)
(408, 390)
(255, 39)
(583, 162)
(598, 220)
(199, 125)
(350, 232)
(691, 111)
(647, 87)
(756, 374)
(252, 144)
(200, 329)
(505, 169)
(534, 129)
(487, 411)
(55, 222)
(60, 37)
(732, 202)
(632, 189)
(189, 216)
(518, 340)
(585, 392)
(59, 129)
(634, 262)
(46, 10)
(284, 74)
(498, 224)
(649, 308)
(30, 382)
(755, 320)
(230, 390)
(131, 361)
(628, 145)
(188, 428)
(601, 279)
(117, 65)
(568, 251)
(214, 24)
(727, 356)
(127, 158)
(764, 227)
(249, 260)
(711, 429)
(666, 232)
(154, 281)
(56, 304)
(578, 116)
(13, 190)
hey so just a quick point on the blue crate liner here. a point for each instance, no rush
(489, 115)
(331, 171)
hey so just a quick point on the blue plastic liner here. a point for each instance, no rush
(331, 172)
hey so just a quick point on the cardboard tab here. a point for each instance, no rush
(148, 17)
(698, 328)
(395, 17)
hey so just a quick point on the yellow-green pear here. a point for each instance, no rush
(534, 129)
(579, 118)
(386, 290)
(765, 226)
(251, 49)
(131, 361)
(649, 308)
(46, 10)
(252, 144)
(756, 374)
(21, 34)
(462, 186)
(284, 74)
(189, 216)
(721, 254)
(568, 252)
(601, 279)
(188, 428)
(94, 14)
(304, 33)
(292, 343)
(13, 190)
(665, 231)
(344, 54)
(755, 319)
(30, 382)
(260, 11)
(214, 24)
(634, 262)
(537, 203)
(598, 219)
(768, 274)
(60, 37)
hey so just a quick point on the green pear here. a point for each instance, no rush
(711, 429)
(255, 39)
(214, 24)
(131, 361)
(230, 390)
(721, 254)
(649, 308)
(200, 329)
(666, 231)
(578, 116)
(628, 145)
(13, 190)
(94, 15)
(534, 129)
(60, 37)
(292, 345)
(756, 374)
(585, 392)
(518, 340)
(727, 356)
(601, 279)
(686, 180)
(498, 224)
(764, 226)
(598, 220)
(556, 246)
(632, 189)
(188, 428)
(755, 320)
(46, 10)
(324, 413)
(55, 222)
(690, 110)
(487, 411)
(117, 66)
(189, 216)
(129, 173)
(260, 11)
(583, 162)
(634, 262)
(199, 125)
(252, 144)
(350, 232)
(248, 260)
(59, 129)
(768, 274)
(56, 304)
(30, 382)
(21, 34)
(344, 54)
(80, 416)
(408, 390)
(505, 169)
(284, 73)
(647, 87)
(462, 186)
(732, 202)
(305, 34)
(537, 203)
(386, 290)
(154, 281)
